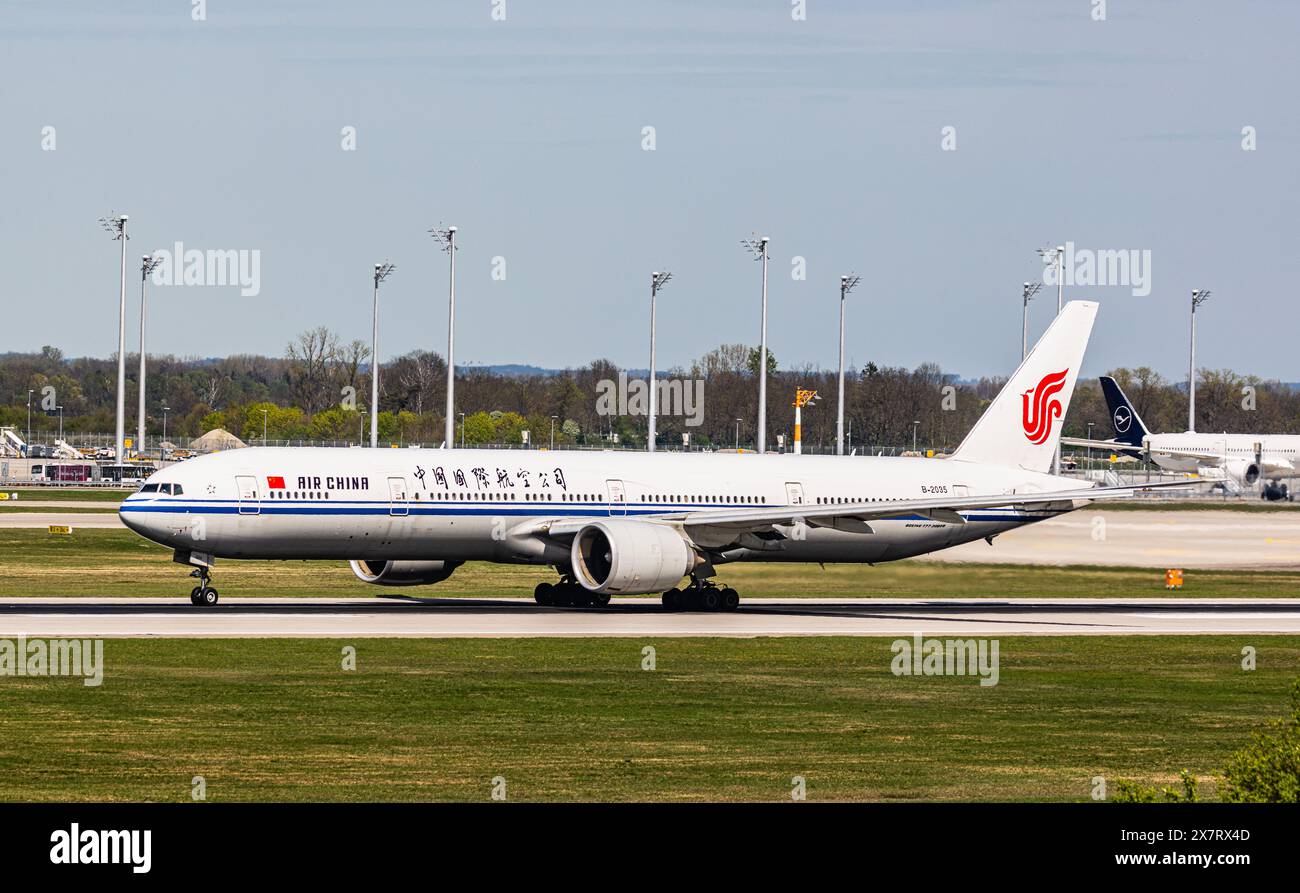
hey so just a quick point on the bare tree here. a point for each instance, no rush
(311, 357)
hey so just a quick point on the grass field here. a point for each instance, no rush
(578, 719)
(72, 509)
(62, 494)
(119, 563)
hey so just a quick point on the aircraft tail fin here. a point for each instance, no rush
(1022, 426)
(1123, 417)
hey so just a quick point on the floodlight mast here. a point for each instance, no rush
(1199, 297)
(847, 284)
(148, 263)
(759, 248)
(382, 272)
(1057, 255)
(447, 238)
(115, 225)
(657, 281)
(1030, 289)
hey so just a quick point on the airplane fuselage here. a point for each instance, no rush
(458, 505)
(1277, 452)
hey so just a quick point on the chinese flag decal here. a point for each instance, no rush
(275, 483)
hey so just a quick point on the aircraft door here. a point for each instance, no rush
(617, 496)
(794, 493)
(249, 503)
(397, 496)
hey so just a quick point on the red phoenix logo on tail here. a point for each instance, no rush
(1041, 405)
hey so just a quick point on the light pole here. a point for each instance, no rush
(738, 435)
(1058, 255)
(60, 409)
(165, 409)
(915, 425)
(462, 430)
(30, 391)
(115, 225)
(264, 427)
(759, 248)
(847, 284)
(657, 281)
(1089, 453)
(553, 433)
(147, 264)
(1030, 289)
(1199, 297)
(447, 237)
(382, 272)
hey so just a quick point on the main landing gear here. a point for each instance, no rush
(568, 593)
(701, 595)
(203, 594)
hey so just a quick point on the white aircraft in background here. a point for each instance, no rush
(622, 523)
(1242, 458)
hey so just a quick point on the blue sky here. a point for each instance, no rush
(823, 134)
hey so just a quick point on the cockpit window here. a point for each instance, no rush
(177, 489)
(149, 488)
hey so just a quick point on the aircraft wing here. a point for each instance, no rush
(1210, 459)
(1113, 446)
(711, 525)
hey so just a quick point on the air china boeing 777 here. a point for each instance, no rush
(622, 523)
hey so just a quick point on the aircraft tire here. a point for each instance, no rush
(543, 594)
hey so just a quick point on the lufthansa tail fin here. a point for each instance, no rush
(1128, 424)
(1022, 426)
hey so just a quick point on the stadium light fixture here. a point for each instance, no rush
(446, 237)
(115, 225)
(382, 272)
(847, 284)
(657, 281)
(758, 247)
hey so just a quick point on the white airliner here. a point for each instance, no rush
(1243, 458)
(622, 523)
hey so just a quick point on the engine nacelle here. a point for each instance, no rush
(1243, 471)
(403, 573)
(630, 557)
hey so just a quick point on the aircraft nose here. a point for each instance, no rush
(142, 522)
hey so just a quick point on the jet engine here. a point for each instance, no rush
(1243, 471)
(630, 557)
(403, 573)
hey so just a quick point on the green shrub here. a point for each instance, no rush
(1268, 769)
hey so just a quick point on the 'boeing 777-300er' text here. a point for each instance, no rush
(622, 523)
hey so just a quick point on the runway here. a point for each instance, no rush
(639, 618)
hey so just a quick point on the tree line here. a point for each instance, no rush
(320, 390)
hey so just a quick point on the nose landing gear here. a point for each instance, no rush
(203, 595)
